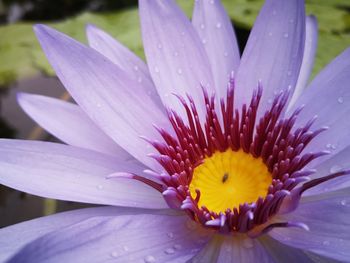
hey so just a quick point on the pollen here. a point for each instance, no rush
(228, 179)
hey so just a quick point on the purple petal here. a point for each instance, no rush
(69, 173)
(328, 97)
(311, 36)
(14, 237)
(176, 58)
(274, 51)
(131, 238)
(233, 248)
(282, 253)
(327, 216)
(337, 162)
(69, 123)
(103, 91)
(123, 58)
(214, 27)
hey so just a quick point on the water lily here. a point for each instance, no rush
(199, 156)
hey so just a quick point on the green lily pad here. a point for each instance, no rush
(22, 57)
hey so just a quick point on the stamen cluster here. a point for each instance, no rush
(271, 138)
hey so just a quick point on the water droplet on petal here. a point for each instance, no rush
(204, 41)
(125, 248)
(211, 2)
(191, 225)
(286, 35)
(156, 69)
(179, 71)
(343, 202)
(326, 242)
(248, 243)
(114, 254)
(218, 25)
(136, 68)
(150, 259)
(340, 100)
(329, 145)
(270, 34)
(202, 26)
(170, 234)
(335, 168)
(176, 53)
(169, 251)
(99, 187)
(177, 246)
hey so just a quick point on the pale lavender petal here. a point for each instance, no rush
(122, 57)
(311, 36)
(327, 216)
(103, 91)
(283, 253)
(69, 123)
(231, 249)
(176, 58)
(135, 238)
(274, 51)
(69, 173)
(328, 98)
(218, 37)
(14, 237)
(337, 162)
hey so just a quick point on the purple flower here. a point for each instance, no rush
(251, 164)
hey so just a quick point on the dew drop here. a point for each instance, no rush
(98, 105)
(156, 69)
(248, 243)
(125, 248)
(191, 225)
(329, 146)
(326, 242)
(202, 26)
(286, 35)
(114, 254)
(149, 259)
(343, 202)
(340, 100)
(170, 234)
(99, 187)
(176, 53)
(218, 25)
(169, 251)
(335, 168)
(270, 34)
(179, 71)
(136, 68)
(177, 246)
(211, 2)
(204, 41)
(333, 146)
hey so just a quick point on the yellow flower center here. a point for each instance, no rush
(227, 179)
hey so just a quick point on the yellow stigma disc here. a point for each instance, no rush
(227, 179)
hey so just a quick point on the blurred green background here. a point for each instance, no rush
(23, 66)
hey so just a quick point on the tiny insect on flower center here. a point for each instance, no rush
(228, 179)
